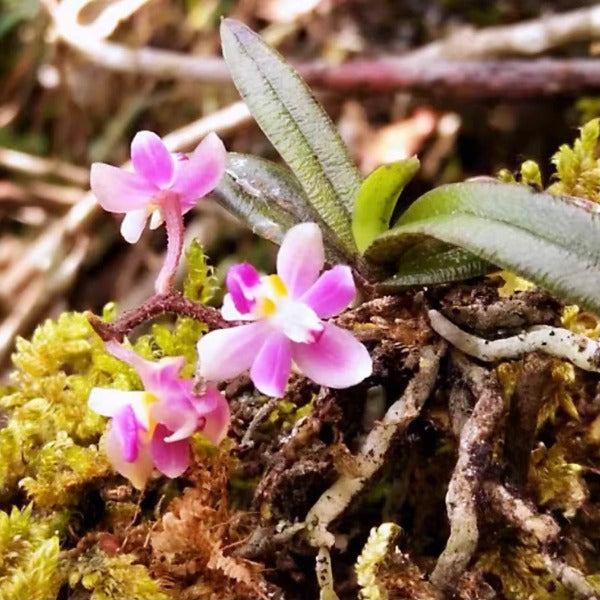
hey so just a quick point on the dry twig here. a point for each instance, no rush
(43, 167)
(439, 67)
(527, 38)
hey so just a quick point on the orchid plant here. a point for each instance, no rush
(320, 211)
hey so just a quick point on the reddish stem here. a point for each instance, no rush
(159, 304)
(171, 212)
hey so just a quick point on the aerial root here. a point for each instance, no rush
(582, 351)
(473, 459)
(371, 456)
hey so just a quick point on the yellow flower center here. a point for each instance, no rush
(274, 290)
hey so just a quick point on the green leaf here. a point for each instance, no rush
(270, 200)
(549, 240)
(377, 199)
(296, 125)
(430, 261)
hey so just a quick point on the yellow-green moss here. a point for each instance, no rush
(28, 556)
(113, 577)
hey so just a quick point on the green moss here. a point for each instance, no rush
(578, 166)
(28, 556)
(113, 577)
(556, 483)
(522, 572)
(61, 468)
(48, 424)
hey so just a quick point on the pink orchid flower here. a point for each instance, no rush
(286, 311)
(163, 187)
(152, 427)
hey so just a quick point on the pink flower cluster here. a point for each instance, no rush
(151, 428)
(286, 316)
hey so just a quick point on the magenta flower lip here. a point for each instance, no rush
(286, 326)
(151, 428)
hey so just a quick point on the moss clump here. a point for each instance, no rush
(556, 483)
(47, 418)
(578, 166)
(522, 572)
(113, 577)
(28, 556)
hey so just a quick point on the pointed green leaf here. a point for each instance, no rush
(296, 124)
(269, 199)
(549, 240)
(430, 261)
(377, 197)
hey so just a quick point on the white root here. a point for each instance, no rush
(324, 575)
(582, 351)
(333, 501)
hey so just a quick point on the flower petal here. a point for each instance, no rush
(180, 418)
(159, 378)
(108, 402)
(217, 422)
(200, 174)
(127, 428)
(332, 292)
(118, 190)
(271, 367)
(230, 313)
(133, 225)
(170, 458)
(242, 281)
(298, 322)
(226, 353)
(151, 159)
(301, 258)
(138, 471)
(336, 360)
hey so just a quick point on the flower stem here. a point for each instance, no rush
(171, 212)
(159, 304)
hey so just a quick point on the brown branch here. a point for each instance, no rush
(525, 404)
(43, 167)
(516, 79)
(437, 68)
(527, 38)
(159, 304)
